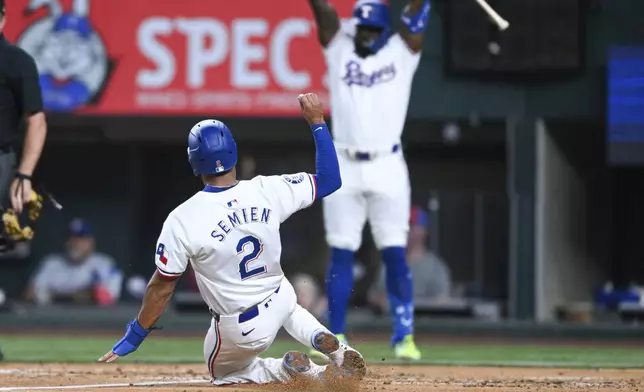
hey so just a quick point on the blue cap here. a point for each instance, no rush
(73, 22)
(79, 228)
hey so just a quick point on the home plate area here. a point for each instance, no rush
(190, 378)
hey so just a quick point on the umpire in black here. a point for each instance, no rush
(20, 100)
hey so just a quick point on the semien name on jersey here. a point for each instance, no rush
(238, 218)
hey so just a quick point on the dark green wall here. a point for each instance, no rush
(617, 22)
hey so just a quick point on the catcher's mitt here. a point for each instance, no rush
(12, 231)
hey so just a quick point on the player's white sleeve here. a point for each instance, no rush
(410, 59)
(291, 192)
(49, 264)
(41, 282)
(172, 254)
(343, 37)
(109, 275)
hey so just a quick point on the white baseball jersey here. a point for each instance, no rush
(369, 97)
(231, 238)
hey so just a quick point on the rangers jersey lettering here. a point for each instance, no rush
(369, 96)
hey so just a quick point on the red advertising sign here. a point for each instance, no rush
(215, 57)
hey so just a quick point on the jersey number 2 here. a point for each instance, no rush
(251, 247)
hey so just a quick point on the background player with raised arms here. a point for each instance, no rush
(229, 233)
(370, 73)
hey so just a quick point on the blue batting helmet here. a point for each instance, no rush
(211, 148)
(373, 13)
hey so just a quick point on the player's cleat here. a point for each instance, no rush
(325, 343)
(296, 362)
(353, 368)
(353, 365)
(407, 350)
(345, 361)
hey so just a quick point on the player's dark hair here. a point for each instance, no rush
(210, 178)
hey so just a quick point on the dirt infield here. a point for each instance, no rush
(190, 378)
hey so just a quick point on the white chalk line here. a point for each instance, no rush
(31, 372)
(116, 385)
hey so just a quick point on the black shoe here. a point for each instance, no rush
(1, 356)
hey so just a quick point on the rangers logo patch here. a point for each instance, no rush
(294, 178)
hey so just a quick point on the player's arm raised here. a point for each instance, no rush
(327, 170)
(414, 19)
(294, 192)
(327, 20)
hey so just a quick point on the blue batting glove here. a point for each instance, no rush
(134, 335)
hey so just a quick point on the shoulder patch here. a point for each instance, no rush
(294, 178)
(161, 253)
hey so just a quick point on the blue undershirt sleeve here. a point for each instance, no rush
(327, 169)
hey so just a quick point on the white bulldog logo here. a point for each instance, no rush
(71, 57)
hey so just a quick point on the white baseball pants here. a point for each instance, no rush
(377, 190)
(231, 347)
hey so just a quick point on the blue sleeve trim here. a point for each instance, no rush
(327, 170)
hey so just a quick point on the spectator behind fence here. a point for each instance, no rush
(309, 296)
(81, 275)
(430, 273)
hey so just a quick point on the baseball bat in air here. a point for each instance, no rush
(502, 23)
